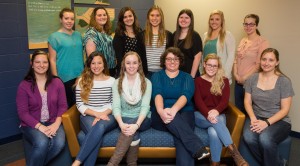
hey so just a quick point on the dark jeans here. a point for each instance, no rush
(239, 95)
(43, 148)
(144, 126)
(264, 146)
(90, 147)
(70, 93)
(182, 129)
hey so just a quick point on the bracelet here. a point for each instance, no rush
(138, 125)
(268, 123)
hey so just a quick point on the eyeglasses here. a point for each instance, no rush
(212, 66)
(172, 59)
(249, 25)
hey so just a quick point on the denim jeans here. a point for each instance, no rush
(146, 124)
(90, 147)
(182, 129)
(264, 146)
(239, 95)
(218, 134)
(43, 148)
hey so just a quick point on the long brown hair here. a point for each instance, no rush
(148, 29)
(87, 76)
(121, 26)
(188, 39)
(218, 82)
(276, 53)
(222, 31)
(106, 28)
(140, 72)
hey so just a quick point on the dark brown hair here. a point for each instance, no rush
(174, 50)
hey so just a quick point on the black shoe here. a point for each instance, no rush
(202, 153)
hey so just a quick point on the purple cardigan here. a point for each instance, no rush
(29, 103)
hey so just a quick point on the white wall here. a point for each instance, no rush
(279, 23)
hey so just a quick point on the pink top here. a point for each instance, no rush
(248, 54)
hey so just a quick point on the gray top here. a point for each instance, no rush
(266, 103)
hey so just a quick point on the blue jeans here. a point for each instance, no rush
(264, 146)
(90, 147)
(185, 140)
(218, 134)
(239, 95)
(43, 148)
(146, 124)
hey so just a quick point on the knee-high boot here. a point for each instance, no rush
(132, 155)
(121, 149)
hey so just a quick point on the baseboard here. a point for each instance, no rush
(10, 139)
(295, 134)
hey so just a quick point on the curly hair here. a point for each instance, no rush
(218, 82)
(148, 28)
(106, 28)
(87, 76)
(174, 50)
(140, 72)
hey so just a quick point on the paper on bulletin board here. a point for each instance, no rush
(42, 20)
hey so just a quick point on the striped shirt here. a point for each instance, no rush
(100, 98)
(154, 53)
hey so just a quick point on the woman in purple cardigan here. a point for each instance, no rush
(41, 100)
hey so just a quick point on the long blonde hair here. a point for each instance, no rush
(222, 32)
(87, 76)
(148, 28)
(140, 72)
(218, 82)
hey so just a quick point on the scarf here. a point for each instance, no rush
(135, 96)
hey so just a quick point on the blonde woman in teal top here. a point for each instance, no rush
(131, 105)
(65, 46)
(219, 41)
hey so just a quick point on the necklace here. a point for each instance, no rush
(172, 80)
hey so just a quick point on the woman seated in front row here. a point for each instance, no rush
(268, 98)
(174, 110)
(212, 93)
(131, 108)
(41, 101)
(94, 102)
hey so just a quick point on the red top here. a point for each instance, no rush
(205, 101)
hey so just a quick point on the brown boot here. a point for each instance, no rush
(132, 155)
(121, 149)
(237, 157)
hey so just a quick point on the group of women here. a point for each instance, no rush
(182, 99)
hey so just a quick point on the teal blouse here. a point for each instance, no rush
(103, 44)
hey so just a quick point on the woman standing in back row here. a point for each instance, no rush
(247, 59)
(189, 42)
(219, 41)
(125, 38)
(64, 46)
(155, 39)
(98, 38)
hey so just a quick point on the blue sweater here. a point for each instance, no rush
(172, 89)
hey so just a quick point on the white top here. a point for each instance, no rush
(100, 98)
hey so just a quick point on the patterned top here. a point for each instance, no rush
(153, 54)
(100, 98)
(44, 111)
(130, 44)
(103, 44)
(68, 48)
(266, 103)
